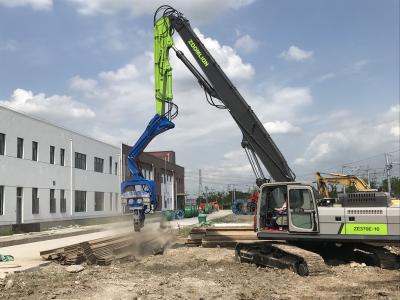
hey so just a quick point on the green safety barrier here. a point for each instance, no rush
(4, 258)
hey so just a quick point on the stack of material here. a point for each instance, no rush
(100, 251)
(196, 236)
(220, 236)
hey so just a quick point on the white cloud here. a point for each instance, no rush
(35, 4)
(293, 96)
(323, 146)
(325, 77)
(246, 43)
(296, 54)
(53, 108)
(112, 37)
(281, 127)
(9, 45)
(233, 168)
(282, 102)
(395, 109)
(350, 139)
(194, 9)
(395, 131)
(80, 84)
(359, 65)
(126, 73)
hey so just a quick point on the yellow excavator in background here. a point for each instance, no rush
(346, 180)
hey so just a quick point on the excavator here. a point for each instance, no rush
(289, 222)
(347, 180)
(361, 187)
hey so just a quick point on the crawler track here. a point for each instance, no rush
(380, 256)
(282, 256)
(314, 262)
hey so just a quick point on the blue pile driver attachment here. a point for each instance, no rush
(139, 192)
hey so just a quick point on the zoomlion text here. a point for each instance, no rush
(198, 52)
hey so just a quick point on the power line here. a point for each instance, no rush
(335, 167)
(368, 158)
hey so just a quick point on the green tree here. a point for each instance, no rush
(395, 184)
(333, 193)
(373, 184)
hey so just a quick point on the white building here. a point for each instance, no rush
(50, 175)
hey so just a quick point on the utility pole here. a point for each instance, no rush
(344, 187)
(233, 193)
(200, 183)
(388, 167)
(368, 174)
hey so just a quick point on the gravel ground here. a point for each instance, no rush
(199, 273)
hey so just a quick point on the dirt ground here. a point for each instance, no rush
(199, 273)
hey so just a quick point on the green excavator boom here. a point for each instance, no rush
(162, 68)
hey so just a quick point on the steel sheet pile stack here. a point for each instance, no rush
(100, 251)
(220, 236)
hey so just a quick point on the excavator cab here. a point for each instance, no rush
(287, 208)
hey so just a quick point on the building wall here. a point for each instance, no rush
(157, 166)
(26, 173)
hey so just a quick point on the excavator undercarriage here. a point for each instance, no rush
(314, 259)
(282, 256)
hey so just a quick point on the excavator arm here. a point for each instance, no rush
(256, 141)
(346, 180)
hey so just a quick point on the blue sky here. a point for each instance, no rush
(322, 76)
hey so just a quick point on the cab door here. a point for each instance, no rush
(302, 212)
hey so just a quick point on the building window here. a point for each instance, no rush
(35, 201)
(111, 203)
(52, 202)
(63, 202)
(98, 201)
(52, 150)
(116, 169)
(116, 202)
(80, 161)
(20, 147)
(2, 143)
(110, 164)
(80, 201)
(34, 151)
(1, 200)
(62, 157)
(19, 205)
(98, 164)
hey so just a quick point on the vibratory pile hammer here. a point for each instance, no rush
(138, 191)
